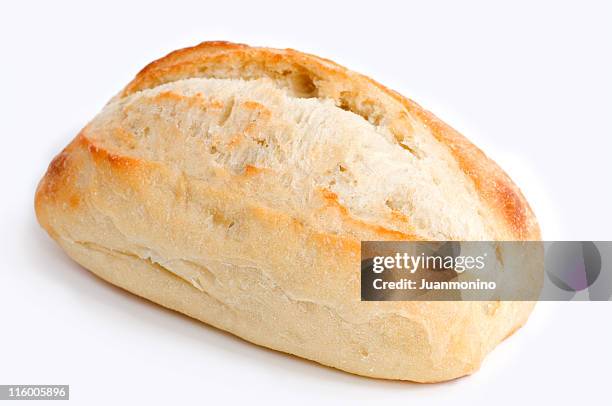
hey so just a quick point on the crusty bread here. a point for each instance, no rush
(234, 184)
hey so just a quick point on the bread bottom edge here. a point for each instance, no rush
(153, 283)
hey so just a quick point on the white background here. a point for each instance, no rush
(529, 82)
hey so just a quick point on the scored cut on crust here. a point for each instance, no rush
(234, 184)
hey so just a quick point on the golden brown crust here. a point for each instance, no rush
(211, 249)
(495, 187)
(491, 181)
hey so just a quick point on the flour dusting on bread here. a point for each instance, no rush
(235, 184)
(306, 145)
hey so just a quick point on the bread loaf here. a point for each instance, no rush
(234, 184)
